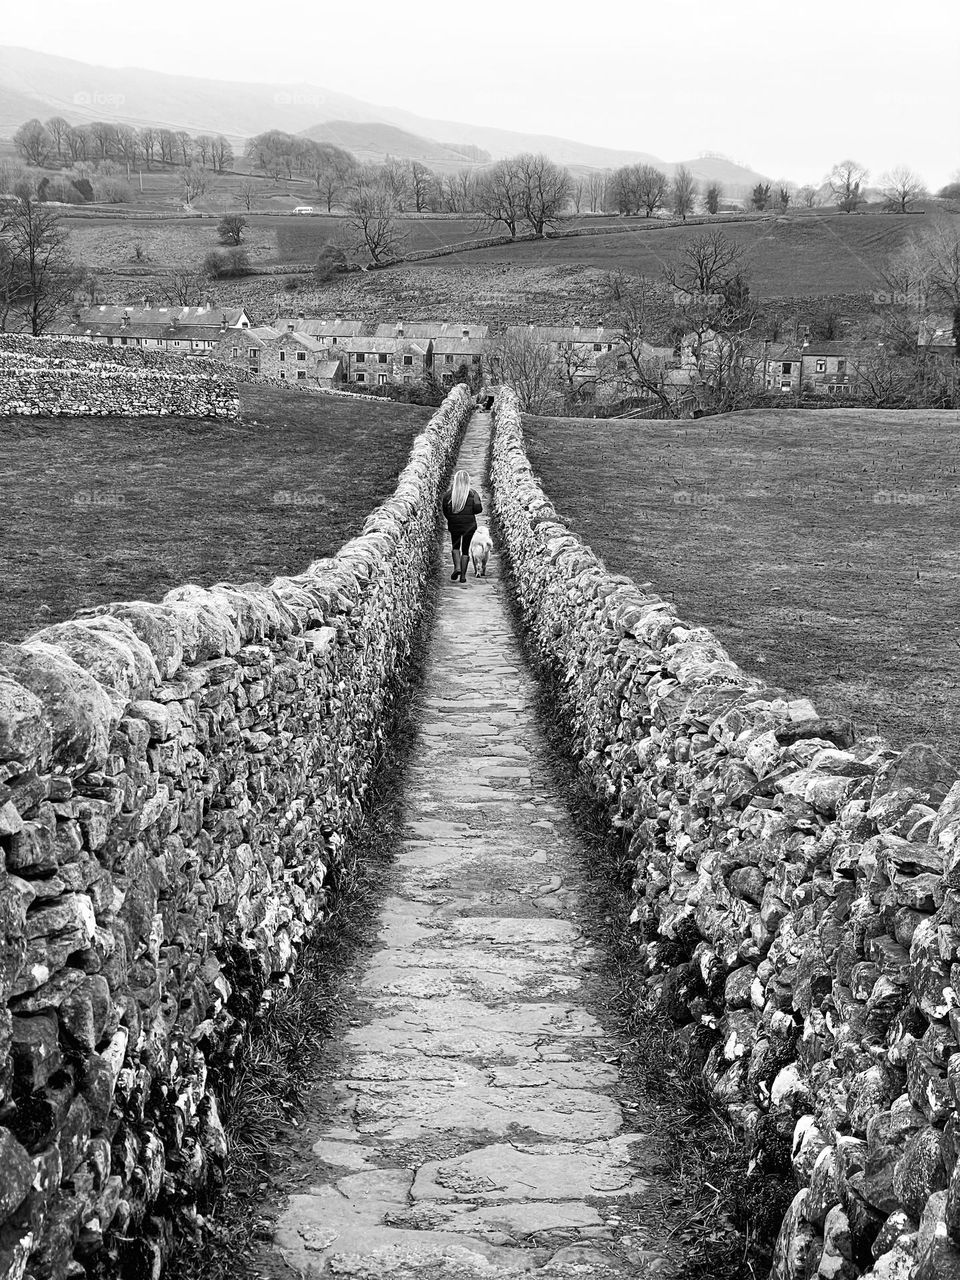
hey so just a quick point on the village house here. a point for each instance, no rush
(826, 369)
(590, 342)
(283, 356)
(377, 362)
(330, 333)
(451, 355)
(781, 368)
(180, 330)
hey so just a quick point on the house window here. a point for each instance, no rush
(841, 365)
(382, 379)
(361, 358)
(254, 354)
(408, 360)
(301, 374)
(787, 367)
(407, 377)
(382, 359)
(282, 376)
(234, 352)
(448, 359)
(785, 386)
(361, 377)
(301, 355)
(598, 346)
(821, 366)
(283, 356)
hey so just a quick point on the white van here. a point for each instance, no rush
(304, 208)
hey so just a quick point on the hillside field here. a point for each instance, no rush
(100, 509)
(796, 256)
(820, 546)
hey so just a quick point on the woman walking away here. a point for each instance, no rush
(461, 505)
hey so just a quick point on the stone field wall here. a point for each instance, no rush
(177, 782)
(797, 895)
(53, 377)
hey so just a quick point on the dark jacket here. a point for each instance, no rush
(464, 520)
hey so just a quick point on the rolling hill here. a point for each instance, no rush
(375, 141)
(40, 84)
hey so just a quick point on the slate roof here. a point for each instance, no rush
(432, 329)
(385, 346)
(317, 327)
(157, 316)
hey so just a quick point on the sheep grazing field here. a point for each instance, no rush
(116, 509)
(820, 546)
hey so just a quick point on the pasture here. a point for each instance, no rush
(792, 257)
(820, 546)
(99, 509)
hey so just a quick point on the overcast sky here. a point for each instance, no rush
(789, 89)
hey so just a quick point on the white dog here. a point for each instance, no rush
(480, 547)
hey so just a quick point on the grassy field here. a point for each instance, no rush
(790, 257)
(820, 546)
(99, 509)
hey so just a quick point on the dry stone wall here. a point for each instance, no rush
(177, 782)
(52, 377)
(797, 894)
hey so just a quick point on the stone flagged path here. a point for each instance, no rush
(477, 1130)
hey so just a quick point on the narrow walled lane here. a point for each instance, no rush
(477, 1128)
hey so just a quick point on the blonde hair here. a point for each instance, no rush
(459, 490)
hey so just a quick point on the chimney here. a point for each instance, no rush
(290, 325)
(339, 316)
(301, 317)
(223, 322)
(125, 321)
(466, 333)
(400, 328)
(576, 328)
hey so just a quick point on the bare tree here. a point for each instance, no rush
(128, 144)
(148, 144)
(184, 146)
(901, 187)
(371, 217)
(33, 143)
(419, 182)
(193, 181)
(203, 146)
(544, 191)
(634, 366)
(230, 229)
(500, 197)
(578, 190)
(221, 153)
(58, 128)
(597, 189)
(37, 275)
(522, 362)
(77, 143)
(247, 192)
(330, 168)
(185, 286)
(167, 141)
(846, 181)
(683, 192)
(103, 134)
